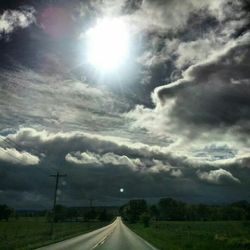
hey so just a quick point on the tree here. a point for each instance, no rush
(245, 205)
(72, 213)
(154, 212)
(171, 209)
(103, 216)
(91, 215)
(60, 213)
(203, 212)
(145, 219)
(133, 210)
(5, 212)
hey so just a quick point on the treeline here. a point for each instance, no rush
(63, 213)
(173, 210)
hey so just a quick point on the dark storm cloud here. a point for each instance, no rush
(214, 93)
(25, 187)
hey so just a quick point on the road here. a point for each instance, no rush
(115, 236)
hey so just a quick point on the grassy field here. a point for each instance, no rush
(196, 235)
(30, 233)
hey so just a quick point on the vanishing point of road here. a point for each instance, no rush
(115, 236)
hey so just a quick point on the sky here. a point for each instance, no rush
(152, 97)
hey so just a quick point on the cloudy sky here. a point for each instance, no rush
(149, 96)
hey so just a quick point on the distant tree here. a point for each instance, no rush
(145, 219)
(171, 209)
(154, 212)
(216, 213)
(234, 213)
(133, 210)
(72, 213)
(203, 212)
(103, 216)
(16, 216)
(60, 213)
(5, 212)
(122, 211)
(91, 215)
(245, 205)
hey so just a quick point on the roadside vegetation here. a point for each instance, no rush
(219, 235)
(29, 230)
(175, 225)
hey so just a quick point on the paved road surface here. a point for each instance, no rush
(115, 236)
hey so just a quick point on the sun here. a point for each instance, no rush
(108, 44)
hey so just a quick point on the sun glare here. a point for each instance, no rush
(107, 44)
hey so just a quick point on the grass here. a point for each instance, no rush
(33, 232)
(224, 235)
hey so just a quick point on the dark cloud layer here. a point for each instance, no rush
(92, 161)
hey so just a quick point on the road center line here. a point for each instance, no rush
(102, 240)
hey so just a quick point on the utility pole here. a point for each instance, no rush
(57, 176)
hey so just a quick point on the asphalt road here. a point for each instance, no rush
(115, 236)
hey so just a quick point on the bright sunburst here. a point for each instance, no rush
(107, 44)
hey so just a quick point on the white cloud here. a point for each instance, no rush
(192, 52)
(97, 160)
(176, 173)
(164, 15)
(13, 156)
(156, 121)
(174, 15)
(13, 19)
(113, 159)
(85, 158)
(218, 176)
(159, 166)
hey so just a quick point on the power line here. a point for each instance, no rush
(12, 156)
(16, 145)
(12, 144)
